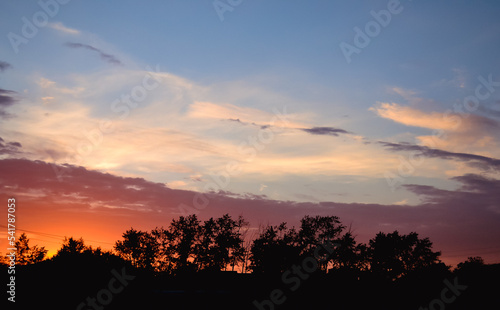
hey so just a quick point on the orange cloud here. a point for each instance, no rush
(413, 117)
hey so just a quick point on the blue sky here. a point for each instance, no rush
(290, 51)
(216, 83)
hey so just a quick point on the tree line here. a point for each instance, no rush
(191, 245)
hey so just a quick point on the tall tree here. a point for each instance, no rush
(182, 236)
(138, 247)
(163, 261)
(318, 230)
(205, 248)
(228, 241)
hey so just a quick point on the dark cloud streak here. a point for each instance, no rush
(9, 148)
(326, 131)
(331, 131)
(477, 161)
(6, 100)
(106, 57)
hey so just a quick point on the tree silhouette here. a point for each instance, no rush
(185, 245)
(205, 248)
(318, 230)
(471, 263)
(71, 247)
(275, 250)
(163, 261)
(182, 235)
(394, 271)
(138, 247)
(220, 243)
(26, 254)
(350, 255)
(395, 255)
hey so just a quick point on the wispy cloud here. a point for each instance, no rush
(232, 112)
(449, 121)
(106, 57)
(60, 27)
(329, 131)
(477, 161)
(412, 117)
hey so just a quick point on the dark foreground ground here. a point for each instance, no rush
(98, 285)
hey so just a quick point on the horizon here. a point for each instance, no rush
(383, 113)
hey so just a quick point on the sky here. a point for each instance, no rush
(119, 114)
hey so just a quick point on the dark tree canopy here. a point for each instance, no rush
(396, 255)
(316, 263)
(71, 246)
(27, 254)
(220, 243)
(138, 247)
(185, 245)
(275, 249)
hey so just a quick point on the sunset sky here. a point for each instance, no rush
(119, 114)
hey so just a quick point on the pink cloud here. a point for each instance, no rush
(101, 206)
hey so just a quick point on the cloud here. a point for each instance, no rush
(475, 190)
(449, 120)
(60, 27)
(479, 184)
(243, 115)
(331, 131)
(402, 202)
(4, 66)
(451, 131)
(237, 120)
(324, 131)
(6, 100)
(88, 200)
(473, 160)
(9, 148)
(412, 117)
(106, 57)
